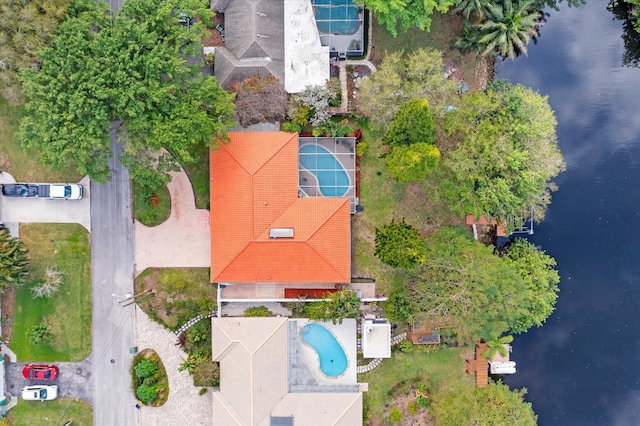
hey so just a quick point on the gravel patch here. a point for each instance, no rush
(184, 406)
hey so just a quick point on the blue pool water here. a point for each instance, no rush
(336, 16)
(333, 180)
(333, 360)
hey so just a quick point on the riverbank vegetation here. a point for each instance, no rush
(498, 157)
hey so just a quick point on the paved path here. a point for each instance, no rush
(39, 210)
(74, 379)
(112, 273)
(183, 240)
(184, 406)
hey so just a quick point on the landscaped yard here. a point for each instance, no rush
(67, 247)
(385, 199)
(57, 412)
(23, 164)
(398, 377)
(444, 30)
(151, 209)
(180, 294)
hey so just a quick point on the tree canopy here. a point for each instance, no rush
(494, 405)
(133, 70)
(411, 124)
(412, 163)
(401, 78)
(26, 27)
(259, 98)
(506, 154)
(463, 284)
(400, 245)
(406, 13)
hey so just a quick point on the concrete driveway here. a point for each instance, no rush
(183, 240)
(74, 379)
(38, 210)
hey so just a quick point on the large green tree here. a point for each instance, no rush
(508, 26)
(506, 154)
(401, 78)
(411, 124)
(14, 261)
(406, 14)
(26, 27)
(400, 245)
(538, 273)
(494, 405)
(412, 163)
(130, 70)
(464, 285)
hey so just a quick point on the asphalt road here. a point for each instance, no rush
(74, 379)
(112, 259)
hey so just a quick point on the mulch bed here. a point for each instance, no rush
(213, 36)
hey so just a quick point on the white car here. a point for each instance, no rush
(39, 393)
(65, 191)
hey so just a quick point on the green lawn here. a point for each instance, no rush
(199, 176)
(23, 164)
(54, 413)
(396, 375)
(68, 312)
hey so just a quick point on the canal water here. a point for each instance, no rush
(583, 366)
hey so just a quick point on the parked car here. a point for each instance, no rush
(40, 372)
(39, 393)
(20, 190)
(53, 191)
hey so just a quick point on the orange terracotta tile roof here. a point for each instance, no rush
(254, 187)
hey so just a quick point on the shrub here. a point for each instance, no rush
(313, 100)
(258, 311)
(206, 373)
(39, 334)
(291, 127)
(412, 408)
(406, 346)
(145, 369)
(202, 391)
(395, 416)
(146, 393)
(259, 98)
(412, 124)
(400, 245)
(412, 163)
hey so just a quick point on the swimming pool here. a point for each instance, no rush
(333, 360)
(332, 178)
(337, 16)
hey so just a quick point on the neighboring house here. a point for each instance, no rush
(261, 231)
(257, 379)
(271, 36)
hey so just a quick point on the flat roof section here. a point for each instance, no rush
(376, 338)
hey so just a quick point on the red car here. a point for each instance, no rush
(40, 372)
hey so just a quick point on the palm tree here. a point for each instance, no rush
(508, 27)
(495, 345)
(14, 260)
(473, 7)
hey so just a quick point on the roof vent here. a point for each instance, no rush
(276, 233)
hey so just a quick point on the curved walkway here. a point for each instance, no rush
(377, 361)
(184, 406)
(183, 240)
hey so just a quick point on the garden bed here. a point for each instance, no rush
(149, 381)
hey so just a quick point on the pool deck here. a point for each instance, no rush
(345, 333)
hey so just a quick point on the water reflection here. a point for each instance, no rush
(581, 367)
(623, 11)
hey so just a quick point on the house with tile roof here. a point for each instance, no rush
(257, 384)
(261, 230)
(271, 36)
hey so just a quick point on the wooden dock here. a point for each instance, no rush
(479, 366)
